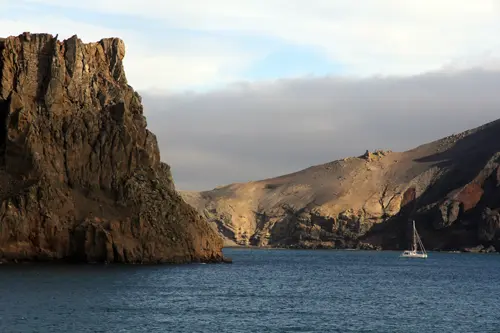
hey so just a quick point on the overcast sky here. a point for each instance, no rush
(246, 89)
(259, 130)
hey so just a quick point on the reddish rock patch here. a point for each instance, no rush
(469, 196)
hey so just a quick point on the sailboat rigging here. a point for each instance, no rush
(415, 245)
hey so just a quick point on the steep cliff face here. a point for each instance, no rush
(451, 187)
(80, 175)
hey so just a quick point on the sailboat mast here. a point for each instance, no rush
(414, 244)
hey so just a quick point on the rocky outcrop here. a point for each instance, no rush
(369, 156)
(450, 187)
(80, 175)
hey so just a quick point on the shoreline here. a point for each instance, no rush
(253, 247)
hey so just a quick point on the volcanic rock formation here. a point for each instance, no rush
(450, 187)
(80, 175)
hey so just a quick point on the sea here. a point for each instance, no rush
(263, 290)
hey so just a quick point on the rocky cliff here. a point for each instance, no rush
(80, 175)
(450, 187)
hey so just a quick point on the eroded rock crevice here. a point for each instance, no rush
(4, 116)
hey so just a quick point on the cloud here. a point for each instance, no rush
(154, 60)
(179, 45)
(251, 131)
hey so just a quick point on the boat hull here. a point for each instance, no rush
(413, 254)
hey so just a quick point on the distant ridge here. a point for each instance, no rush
(358, 202)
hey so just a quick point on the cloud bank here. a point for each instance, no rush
(178, 45)
(251, 131)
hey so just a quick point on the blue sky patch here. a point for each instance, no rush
(292, 61)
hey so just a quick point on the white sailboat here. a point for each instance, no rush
(416, 243)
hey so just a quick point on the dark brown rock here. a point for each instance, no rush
(489, 226)
(227, 260)
(80, 175)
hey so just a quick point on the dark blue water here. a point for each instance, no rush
(262, 291)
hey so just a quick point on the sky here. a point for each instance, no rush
(240, 90)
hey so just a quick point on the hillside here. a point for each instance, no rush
(449, 187)
(80, 173)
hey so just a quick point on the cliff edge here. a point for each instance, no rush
(450, 187)
(80, 175)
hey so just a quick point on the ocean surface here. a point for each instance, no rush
(262, 291)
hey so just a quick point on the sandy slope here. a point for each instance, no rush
(337, 203)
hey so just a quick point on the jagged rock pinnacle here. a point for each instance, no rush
(80, 174)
